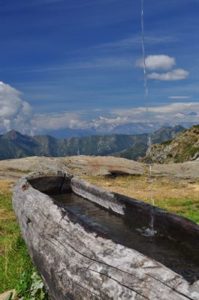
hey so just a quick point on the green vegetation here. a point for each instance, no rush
(190, 151)
(184, 147)
(166, 143)
(185, 207)
(183, 196)
(17, 271)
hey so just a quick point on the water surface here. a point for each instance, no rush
(166, 251)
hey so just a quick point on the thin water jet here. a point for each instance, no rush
(150, 231)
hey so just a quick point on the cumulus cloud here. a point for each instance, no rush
(176, 74)
(160, 63)
(14, 112)
(157, 62)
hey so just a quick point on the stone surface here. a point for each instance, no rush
(9, 295)
(94, 166)
(187, 170)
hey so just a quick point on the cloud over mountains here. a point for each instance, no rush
(17, 114)
(14, 112)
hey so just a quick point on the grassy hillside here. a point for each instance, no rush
(182, 148)
(140, 146)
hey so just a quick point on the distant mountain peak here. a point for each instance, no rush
(13, 134)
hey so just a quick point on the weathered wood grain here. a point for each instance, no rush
(76, 263)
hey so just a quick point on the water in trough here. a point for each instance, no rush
(161, 248)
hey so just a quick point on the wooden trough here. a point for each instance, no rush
(81, 258)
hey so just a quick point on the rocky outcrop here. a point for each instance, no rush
(95, 166)
(188, 170)
(78, 165)
(184, 147)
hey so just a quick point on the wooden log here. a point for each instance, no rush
(75, 261)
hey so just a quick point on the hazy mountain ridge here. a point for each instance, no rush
(184, 147)
(14, 144)
(109, 129)
(140, 146)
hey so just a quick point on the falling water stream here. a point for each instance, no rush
(150, 231)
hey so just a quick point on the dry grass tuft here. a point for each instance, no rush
(140, 188)
(6, 186)
(178, 196)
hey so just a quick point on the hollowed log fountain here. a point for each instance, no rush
(88, 243)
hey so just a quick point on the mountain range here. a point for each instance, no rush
(15, 145)
(110, 128)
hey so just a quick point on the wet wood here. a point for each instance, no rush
(75, 262)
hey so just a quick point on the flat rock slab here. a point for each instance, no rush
(104, 165)
(77, 165)
(187, 170)
(94, 166)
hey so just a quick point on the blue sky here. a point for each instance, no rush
(78, 60)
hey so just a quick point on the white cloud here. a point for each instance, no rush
(162, 63)
(157, 62)
(14, 112)
(176, 74)
(179, 97)
(166, 114)
(55, 121)
(171, 113)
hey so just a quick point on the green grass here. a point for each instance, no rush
(14, 259)
(16, 269)
(185, 207)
